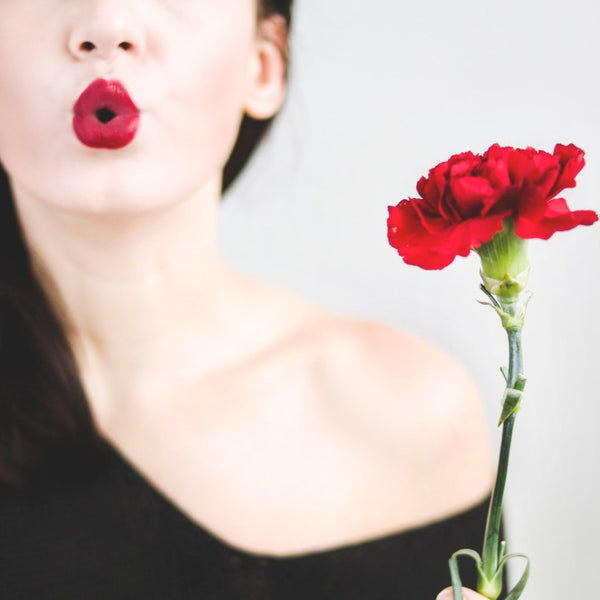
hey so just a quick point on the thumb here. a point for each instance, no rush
(446, 594)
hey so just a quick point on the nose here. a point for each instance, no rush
(103, 29)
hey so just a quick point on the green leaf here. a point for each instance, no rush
(517, 590)
(520, 383)
(455, 575)
(511, 402)
(502, 550)
(495, 302)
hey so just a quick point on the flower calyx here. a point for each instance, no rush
(505, 264)
(508, 286)
(511, 313)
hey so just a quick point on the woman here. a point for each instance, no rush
(170, 427)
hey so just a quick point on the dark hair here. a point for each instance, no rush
(47, 431)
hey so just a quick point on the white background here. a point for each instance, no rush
(382, 91)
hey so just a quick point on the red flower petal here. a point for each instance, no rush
(483, 230)
(472, 196)
(404, 225)
(431, 220)
(530, 202)
(427, 258)
(558, 217)
(429, 191)
(495, 169)
(571, 162)
(534, 169)
(435, 250)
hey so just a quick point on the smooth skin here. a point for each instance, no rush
(356, 429)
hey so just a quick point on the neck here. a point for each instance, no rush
(144, 298)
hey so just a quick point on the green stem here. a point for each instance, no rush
(491, 544)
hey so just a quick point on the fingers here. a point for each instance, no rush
(446, 594)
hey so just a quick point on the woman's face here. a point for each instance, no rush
(188, 65)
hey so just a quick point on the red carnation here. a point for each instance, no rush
(464, 201)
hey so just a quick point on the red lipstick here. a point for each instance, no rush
(105, 116)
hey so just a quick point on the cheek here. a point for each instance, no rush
(204, 101)
(15, 100)
(36, 146)
(33, 114)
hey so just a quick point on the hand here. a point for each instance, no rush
(446, 594)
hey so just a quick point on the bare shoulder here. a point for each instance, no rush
(414, 403)
(379, 406)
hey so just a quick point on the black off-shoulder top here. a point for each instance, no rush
(113, 536)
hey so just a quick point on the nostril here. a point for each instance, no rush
(125, 45)
(86, 46)
(104, 115)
